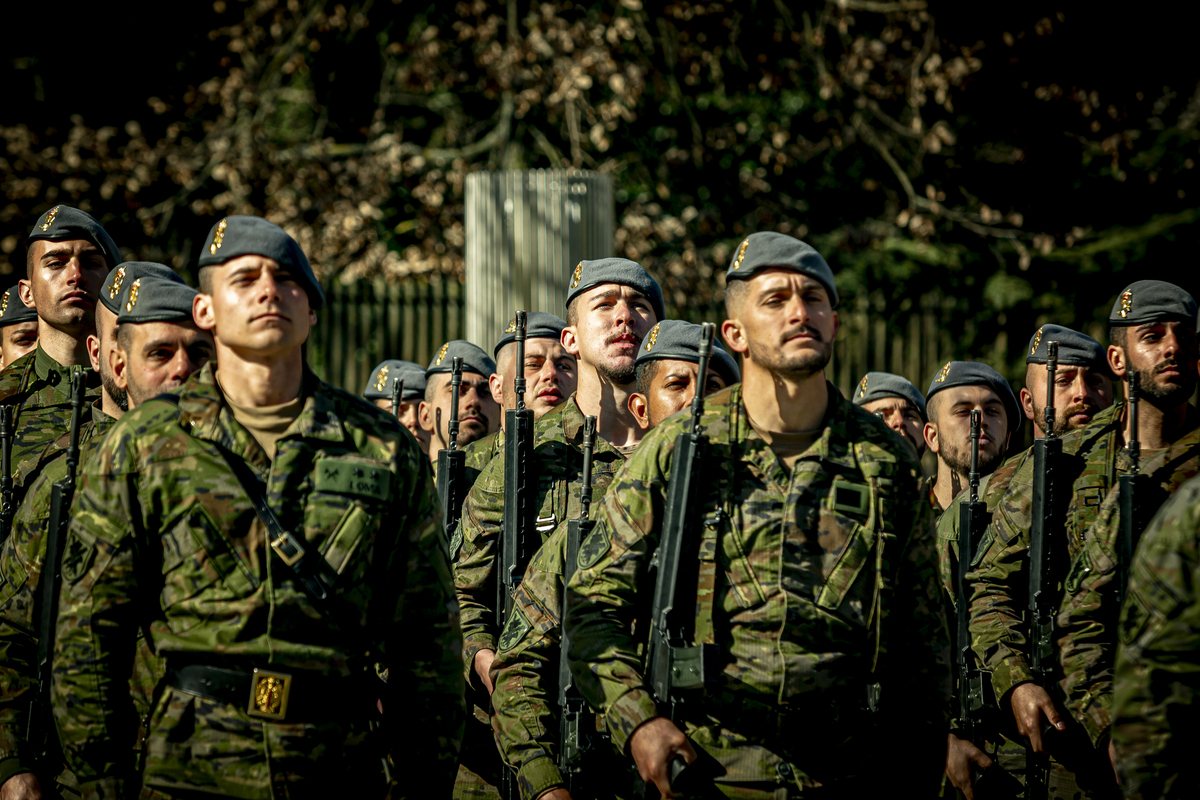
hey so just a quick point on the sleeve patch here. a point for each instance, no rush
(593, 548)
(514, 630)
(456, 542)
(76, 559)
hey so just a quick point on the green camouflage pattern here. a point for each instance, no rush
(22, 557)
(999, 580)
(163, 536)
(1087, 621)
(39, 388)
(826, 581)
(479, 453)
(1156, 686)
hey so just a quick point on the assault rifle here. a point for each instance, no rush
(1045, 536)
(39, 729)
(676, 669)
(518, 488)
(573, 715)
(452, 462)
(1131, 528)
(6, 482)
(397, 392)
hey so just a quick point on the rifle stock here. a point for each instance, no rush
(1130, 529)
(6, 481)
(452, 463)
(40, 726)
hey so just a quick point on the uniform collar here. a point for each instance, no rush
(52, 373)
(833, 445)
(568, 418)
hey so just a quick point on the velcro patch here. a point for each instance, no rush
(1091, 496)
(849, 497)
(514, 630)
(456, 542)
(353, 477)
(593, 548)
(77, 558)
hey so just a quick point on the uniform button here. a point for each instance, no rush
(784, 769)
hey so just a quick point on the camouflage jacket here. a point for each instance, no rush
(1156, 693)
(40, 388)
(480, 453)
(1087, 621)
(1000, 579)
(815, 583)
(21, 560)
(164, 537)
(525, 672)
(557, 464)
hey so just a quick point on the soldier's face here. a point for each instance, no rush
(672, 388)
(785, 324)
(409, 417)
(478, 412)
(64, 282)
(257, 307)
(1163, 354)
(17, 340)
(1080, 393)
(902, 417)
(550, 375)
(950, 435)
(611, 321)
(157, 357)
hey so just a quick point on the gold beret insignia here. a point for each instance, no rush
(133, 295)
(653, 337)
(1037, 340)
(4, 303)
(862, 390)
(1126, 304)
(50, 215)
(437, 362)
(941, 378)
(512, 326)
(218, 237)
(381, 379)
(737, 262)
(115, 289)
(577, 275)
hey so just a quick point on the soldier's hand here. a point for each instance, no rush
(1112, 759)
(960, 755)
(21, 787)
(483, 666)
(653, 745)
(557, 793)
(1030, 703)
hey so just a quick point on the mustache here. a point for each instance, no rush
(807, 329)
(624, 335)
(1170, 363)
(1079, 408)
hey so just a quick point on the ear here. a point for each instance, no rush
(734, 336)
(1116, 360)
(496, 385)
(837, 324)
(931, 437)
(1027, 404)
(570, 340)
(425, 416)
(119, 365)
(93, 348)
(25, 292)
(202, 312)
(640, 409)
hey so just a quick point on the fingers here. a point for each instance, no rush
(981, 759)
(1112, 759)
(1047, 708)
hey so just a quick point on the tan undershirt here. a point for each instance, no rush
(265, 423)
(786, 445)
(627, 450)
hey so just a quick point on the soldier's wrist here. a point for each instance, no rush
(11, 766)
(630, 711)
(538, 776)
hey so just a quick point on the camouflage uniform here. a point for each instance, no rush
(1087, 622)
(1157, 681)
(163, 536)
(480, 453)
(40, 389)
(21, 559)
(815, 582)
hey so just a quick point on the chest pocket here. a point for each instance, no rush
(353, 492)
(198, 557)
(851, 539)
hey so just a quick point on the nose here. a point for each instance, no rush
(268, 287)
(74, 271)
(1171, 344)
(895, 420)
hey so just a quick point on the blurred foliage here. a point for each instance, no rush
(1020, 161)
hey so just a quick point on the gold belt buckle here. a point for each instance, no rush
(277, 545)
(269, 692)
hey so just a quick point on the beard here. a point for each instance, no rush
(1165, 396)
(1061, 415)
(959, 458)
(118, 395)
(803, 364)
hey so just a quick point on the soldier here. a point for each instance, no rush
(1152, 330)
(1083, 389)
(959, 388)
(667, 363)
(18, 328)
(274, 652)
(379, 392)
(823, 550)
(68, 258)
(1156, 667)
(611, 305)
(898, 401)
(478, 413)
(159, 319)
(525, 672)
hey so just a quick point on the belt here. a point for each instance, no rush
(278, 694)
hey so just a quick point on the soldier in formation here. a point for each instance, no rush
(410, 378)
(18, 328)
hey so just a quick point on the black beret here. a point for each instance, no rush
(1074, 348)
(1150, 301)
(538, 325)
(127, 273)
(473, 358)
(879, 385)
(769, 250)
(64, 222)
(154, 299)
(13, 311)
(385, 375)
(590, 274)
(973, 373)
(254, 236)
(680, 341)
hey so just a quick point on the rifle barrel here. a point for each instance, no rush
(519, 380)
(455, 386)
(973, 475)
(1051, 369)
